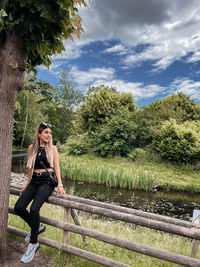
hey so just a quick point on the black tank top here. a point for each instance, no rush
(43, 157)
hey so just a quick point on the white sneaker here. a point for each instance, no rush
(30, 253)
(42, 228)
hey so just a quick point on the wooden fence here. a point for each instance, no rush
(150, 220)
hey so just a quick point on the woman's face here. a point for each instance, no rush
(45, 135)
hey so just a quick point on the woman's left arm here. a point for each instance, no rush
(60, 188)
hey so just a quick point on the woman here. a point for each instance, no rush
(42, 162)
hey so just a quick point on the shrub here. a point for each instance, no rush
(77, 145)
(143, 133)
(178, 142)
(116, 136)
(137, 153)
(59, 147)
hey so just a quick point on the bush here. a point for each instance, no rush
(137, 153)
(60, 147)
(116, 136)
(143, 133)
(178, 142)
(77, 145)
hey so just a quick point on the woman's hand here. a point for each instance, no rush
(61, 190)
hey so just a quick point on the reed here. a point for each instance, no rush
(88, 171)
(127, 231)
(167, 175)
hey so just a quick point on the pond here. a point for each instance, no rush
(173, 204)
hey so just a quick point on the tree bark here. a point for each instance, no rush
(12, 67)
(26, 120)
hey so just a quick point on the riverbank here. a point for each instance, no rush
(150, 174)
(174, 204)
(145, 174)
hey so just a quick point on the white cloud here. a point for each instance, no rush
(86, 78)
(159, 54)
(106, 76)
(119, 48)
(137, 89)
(168, 27)
(168, 44)
(141, 91)
(72, 50)
(188, 87)
(54, 68)
(194, 58)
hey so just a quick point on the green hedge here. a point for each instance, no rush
(178, 142)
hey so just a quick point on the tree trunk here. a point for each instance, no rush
(26, 120)
(12, 67)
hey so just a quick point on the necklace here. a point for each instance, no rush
(40, 150)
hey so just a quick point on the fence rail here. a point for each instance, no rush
(158, 222)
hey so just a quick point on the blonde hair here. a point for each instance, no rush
(35, 147)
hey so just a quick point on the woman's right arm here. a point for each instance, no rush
(30, 171)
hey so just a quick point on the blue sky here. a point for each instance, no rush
(150, 48)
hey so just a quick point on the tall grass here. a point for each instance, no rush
(131, 174)
(127, 231)
(84, 170)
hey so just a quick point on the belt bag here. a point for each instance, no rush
(52, 175)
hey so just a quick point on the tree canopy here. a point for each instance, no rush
(61, 113)
(177, 106)
(39, 102)
(103, 102)
(42, 25)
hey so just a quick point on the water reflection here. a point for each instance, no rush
(177, 205)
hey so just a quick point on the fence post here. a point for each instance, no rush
(67, 216)
(195, 243)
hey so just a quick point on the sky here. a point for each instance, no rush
(149, 48)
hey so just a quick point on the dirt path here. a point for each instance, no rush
(16, 249)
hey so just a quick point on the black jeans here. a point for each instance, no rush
(39, 194)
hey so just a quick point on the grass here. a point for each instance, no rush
(127, 231)
(122, 172)
(100, 171)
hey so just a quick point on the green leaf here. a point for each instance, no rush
(23, 3)
(3, 13)
(46, 14)
(42, 25)
(38, 5)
